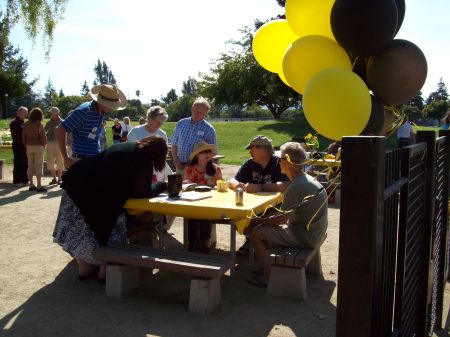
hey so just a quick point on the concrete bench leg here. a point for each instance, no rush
(204, 296)
(287, 282)
(121, 280)
(213, 235)
(315, 265)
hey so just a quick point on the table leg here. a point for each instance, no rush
(161, 231)
(232, 247)
(185, 233)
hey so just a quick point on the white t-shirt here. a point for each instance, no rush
(126, 128)
(140, 132)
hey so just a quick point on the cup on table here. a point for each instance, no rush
(174, 185)
(222, 185)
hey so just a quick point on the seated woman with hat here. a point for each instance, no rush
(202, 171)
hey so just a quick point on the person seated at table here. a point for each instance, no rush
(259, 173)
(95, 190)
(303, 221)
(202, 171)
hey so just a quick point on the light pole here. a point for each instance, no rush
(6, 105)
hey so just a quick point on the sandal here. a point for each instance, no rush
(257, 281)
(41, 189)
(32, 188)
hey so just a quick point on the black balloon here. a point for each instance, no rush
(376, 120)
(364, 27)
(400, 13)
(397, 73)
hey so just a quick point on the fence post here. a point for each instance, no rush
(361, 231)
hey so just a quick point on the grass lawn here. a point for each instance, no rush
(232, 136)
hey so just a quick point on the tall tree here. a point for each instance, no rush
(189, 87)
(238, 79)
(103, 74)
(138, 93)
(84, 89)
(61, 93)
(50, 93)
(440, 94)
(417, 101)
(36, 17)
(170, 97)
(13, 82)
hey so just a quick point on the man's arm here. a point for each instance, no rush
(270, 220)
(175, 159)
(233, 183)
(61, 139)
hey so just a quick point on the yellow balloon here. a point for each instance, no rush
(310, 17)
(270, 43)
(337, 103)
(281, 76)
(309, 55)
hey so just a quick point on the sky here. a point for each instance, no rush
(153, 46)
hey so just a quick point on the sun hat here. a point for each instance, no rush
(200, 147)
(260, 141)
(109, 95)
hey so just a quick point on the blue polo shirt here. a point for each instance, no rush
(85, 124)
(187, 133)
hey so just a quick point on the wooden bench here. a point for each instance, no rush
(287, 276)
(127, 263)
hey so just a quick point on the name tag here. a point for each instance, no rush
(200, 133)
(92, 134)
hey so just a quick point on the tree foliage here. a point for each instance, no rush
(440, 94)
(170, 97)
(103, 74)
(36, 16)
(436, 109)
(236, 78)
(189, 87)
(84, 89)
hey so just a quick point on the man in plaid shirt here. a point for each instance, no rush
(190, 131)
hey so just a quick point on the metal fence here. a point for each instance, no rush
(393, 236)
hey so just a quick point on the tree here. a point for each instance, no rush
(85, 89)
(61, 93)
(189, 87)
(103, 74)
(416, 101)
(68, 103)
(436, 109)
(440, 94)
(36, 17)
(238, 79)
(49, 95)
(138, 93)
(13, 79)
(155, 102)
(170, 97)
(180, 108)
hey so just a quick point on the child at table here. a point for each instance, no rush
(202, 171)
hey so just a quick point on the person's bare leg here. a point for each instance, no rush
(38, 181)
(85, 268)
(52, 173)
(259, 242)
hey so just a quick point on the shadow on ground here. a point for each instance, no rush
(68, 307)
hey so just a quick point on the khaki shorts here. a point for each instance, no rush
(35, 156)
(282, 235)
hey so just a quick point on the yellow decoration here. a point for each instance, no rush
(310, 17)
(308, 56)
(270, 43)
(337, 103)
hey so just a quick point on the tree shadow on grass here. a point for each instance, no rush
(68, 307)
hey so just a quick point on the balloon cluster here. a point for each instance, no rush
(336, 53)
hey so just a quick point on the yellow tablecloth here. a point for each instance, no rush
(326, 162)
(221, 205)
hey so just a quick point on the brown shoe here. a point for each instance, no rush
(53, 182)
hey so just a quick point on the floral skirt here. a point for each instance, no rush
(73, 234)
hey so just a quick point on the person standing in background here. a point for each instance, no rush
(20, 154)
(190, 131)
(116, 131)
(126, 129)
(405, 134)
(102, 138)
(35, 141)
(53, 151)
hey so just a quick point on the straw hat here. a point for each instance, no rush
(109, 95)
(200, 147)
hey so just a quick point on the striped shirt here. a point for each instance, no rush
(188, 133)
(85, 124)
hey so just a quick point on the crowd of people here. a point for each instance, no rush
(100, 178)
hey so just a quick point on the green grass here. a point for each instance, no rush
(233, 136)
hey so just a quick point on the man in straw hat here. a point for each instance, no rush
(259, 173)
(303, 221)
(85, 122)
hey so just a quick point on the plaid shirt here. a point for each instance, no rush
(187, 134)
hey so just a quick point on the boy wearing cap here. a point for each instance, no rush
(259, 173)
(85, 122)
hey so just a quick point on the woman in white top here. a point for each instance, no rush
(126, 129)
(156, 116)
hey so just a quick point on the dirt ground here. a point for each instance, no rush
(40, 294)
